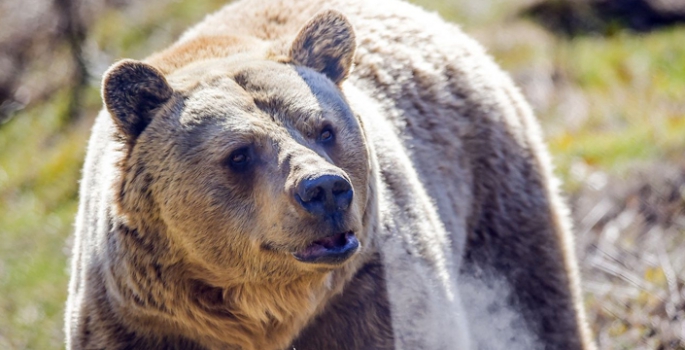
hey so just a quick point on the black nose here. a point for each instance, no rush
(325, 194)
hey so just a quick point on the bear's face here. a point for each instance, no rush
(268, 160)
(255, 168)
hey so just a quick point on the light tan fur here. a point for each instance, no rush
(175, 248)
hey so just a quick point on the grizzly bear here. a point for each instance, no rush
(304, 174)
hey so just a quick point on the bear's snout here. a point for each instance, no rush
(324, 195)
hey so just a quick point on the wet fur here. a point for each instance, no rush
(462, 185)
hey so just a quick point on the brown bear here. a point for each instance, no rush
(304, 174)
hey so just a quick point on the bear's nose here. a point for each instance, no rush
(324, 194)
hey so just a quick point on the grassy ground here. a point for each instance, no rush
(611, 108)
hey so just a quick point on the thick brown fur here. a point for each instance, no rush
(455, 206)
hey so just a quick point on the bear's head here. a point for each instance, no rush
(254, 168)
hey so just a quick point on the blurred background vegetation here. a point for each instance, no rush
(606, 78)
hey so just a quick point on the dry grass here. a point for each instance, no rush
(630, 241)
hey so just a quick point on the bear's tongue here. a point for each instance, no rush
(333, 245)
(334, 241)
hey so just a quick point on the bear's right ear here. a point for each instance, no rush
(132, 92)
(326, 44)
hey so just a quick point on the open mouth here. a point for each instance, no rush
(333, 249)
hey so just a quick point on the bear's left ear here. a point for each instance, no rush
(326, 44)
(132, 92)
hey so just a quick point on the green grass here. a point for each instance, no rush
(40, 165)
(633, 87)
(630, 85)
(627, 87)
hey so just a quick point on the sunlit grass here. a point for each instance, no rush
(146, 27)
(39, 163)
(633, 86)
(627, 89)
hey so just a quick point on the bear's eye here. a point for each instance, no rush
(240, 159)
(326, 135)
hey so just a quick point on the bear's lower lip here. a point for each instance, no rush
(333, 249)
